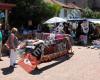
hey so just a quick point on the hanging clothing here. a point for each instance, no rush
(84, 33)
(59, 29)
(85, 29)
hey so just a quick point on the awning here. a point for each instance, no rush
(6, 6)
(77, 19)
(55, 20)
(96, 21)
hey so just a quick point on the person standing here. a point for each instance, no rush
(12, 44)
(0, 44)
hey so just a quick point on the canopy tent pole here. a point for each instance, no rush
(6, 18)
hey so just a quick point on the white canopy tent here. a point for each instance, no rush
(96, 21)
(55, 20)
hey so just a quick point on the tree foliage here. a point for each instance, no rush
(88, 13)
(36, 10)
(2, 0)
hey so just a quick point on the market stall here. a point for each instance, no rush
(42, 47)
(46, 47)
(96, 33)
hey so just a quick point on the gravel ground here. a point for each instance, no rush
(83, 65)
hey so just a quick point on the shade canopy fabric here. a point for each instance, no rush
(6, 5)
(55, 20)
(96, 21)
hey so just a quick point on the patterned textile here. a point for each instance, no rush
(58, 29)
(58, 37)
(83, 38)
(28, 62)
(36, 49)
(50, 44)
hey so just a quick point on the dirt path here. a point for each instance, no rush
(83, 65)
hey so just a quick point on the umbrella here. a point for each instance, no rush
(55, 20)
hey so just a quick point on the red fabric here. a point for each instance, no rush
(50, 49)
(59, 37)
(6, 6)
(45, 35)
(26, 66)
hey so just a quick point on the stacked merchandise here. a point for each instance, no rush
(96, 44)
(33, 52)
(39, 51)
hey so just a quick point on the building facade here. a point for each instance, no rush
(96, 4)
(70, 13)
(71, 8)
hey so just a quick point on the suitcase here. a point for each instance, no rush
(28, 62)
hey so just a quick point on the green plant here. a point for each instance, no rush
(88, 13)
(36, 10)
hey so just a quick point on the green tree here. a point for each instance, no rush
(36, 10)
(88, 13)
(2, 0)
(8, 1)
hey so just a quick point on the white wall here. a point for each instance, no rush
(61, 13)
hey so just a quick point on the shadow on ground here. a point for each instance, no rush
(59, 60)
(7, 70)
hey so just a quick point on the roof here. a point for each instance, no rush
(73, 6)
(6, 6)
(68, 5)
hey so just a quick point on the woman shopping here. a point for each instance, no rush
(12, 44)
